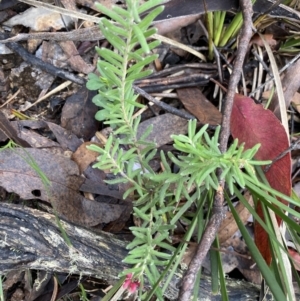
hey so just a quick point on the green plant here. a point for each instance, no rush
(161, 198)
(220, 34)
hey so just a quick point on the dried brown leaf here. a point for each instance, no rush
(78, 114)
(84, 156)
(66, 140)
(163, 127)
(256, 39)
(63, 193)
(74, 59)
(198, 105)
(39, 19)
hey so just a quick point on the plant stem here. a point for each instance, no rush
(128, 117)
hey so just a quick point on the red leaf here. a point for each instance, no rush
(253, 124)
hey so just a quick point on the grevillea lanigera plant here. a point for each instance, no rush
(161, 197)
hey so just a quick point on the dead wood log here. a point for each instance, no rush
(31, 239)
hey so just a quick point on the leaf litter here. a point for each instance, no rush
(63, 189)
(56, 138)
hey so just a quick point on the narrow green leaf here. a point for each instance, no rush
(136, 242)
(141, 38)
(221, 275)
(164, 162)
(114, 40)
(148, 5)
(166, 246)
(192, 128)
(123, 12)
(106, 72)
(250, 153)
(151, 154)
(129, 154)
(142, 200)
(141, 215)
(95, 148)
(139, 251)
(139, 76)
(107, 54)
(199, 134)
(94, 82)
(179, 189)
(133, 7)
(146, 22)
(151, 46)
(135, 270)
(162, 211)
(112, 14)
(232, 148)
(239, 153)
(133, 261)
(116, 30)
(136, 55)
(141, 64)
(262, 190)
(138, 229)
(237, 174)
(145, 35)
(104, 65)
(149, 275)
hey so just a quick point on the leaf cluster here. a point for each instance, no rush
(120, 67)
(203, 157)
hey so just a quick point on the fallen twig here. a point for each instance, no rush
(33, 60)
(164, 105)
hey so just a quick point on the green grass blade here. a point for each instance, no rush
(218, 26)
(214, 266)
(263, 267)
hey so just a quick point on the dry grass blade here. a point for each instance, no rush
(52, 92)
(63, 11)
(179, 45)
(281, 101)
(280, 234)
